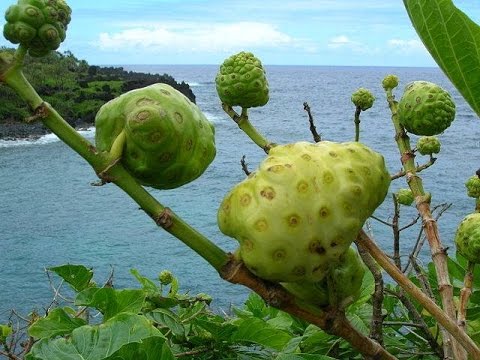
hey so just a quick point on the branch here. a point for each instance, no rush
(410, 288)
(420, 168)
(313, 129)
(244, 166)
(465, 296)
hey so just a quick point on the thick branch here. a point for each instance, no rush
(465, 296)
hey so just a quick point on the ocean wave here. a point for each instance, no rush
(43, 140)
(194, 84)
(214, 118)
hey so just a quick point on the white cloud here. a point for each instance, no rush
(195, 37)
(340, 41)
(406, 46)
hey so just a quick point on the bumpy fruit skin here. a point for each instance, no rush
(404, 197)
(169, 142)
(425, 108)
(428, 145)
(473, 186)
(39, 25)
(363, 99)
(344, 282)
(242, 81)
(390, 82)
(467, 238)
(165, 277)
(303, 207)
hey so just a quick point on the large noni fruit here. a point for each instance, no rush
(425, 108)
(467, 238)
(241, 81)
(169, 142)
(303, 207)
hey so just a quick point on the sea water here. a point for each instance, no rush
(50, 214)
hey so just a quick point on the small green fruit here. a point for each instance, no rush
(426, 109)
(38, 25)
(404, 197)
(467, 238)
(363, 99)
(303, 207)
(473, 187)
(241, 81)
(169, 142)
(390, 82)
(165, 277)
(428, 145)
(344, 282)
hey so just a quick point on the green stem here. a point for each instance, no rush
(247, 127)
(108, 168)
(357, 123)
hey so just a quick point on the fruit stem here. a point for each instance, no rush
(109, 169)
(439, 253)
(357, 123)
(247, 127)
(448, 323)
(465, 296)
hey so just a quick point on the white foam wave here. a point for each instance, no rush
(43, 140)
(214, 118)
(194, 84)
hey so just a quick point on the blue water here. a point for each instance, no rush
(50, 214)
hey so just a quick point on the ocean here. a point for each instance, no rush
(50, 214)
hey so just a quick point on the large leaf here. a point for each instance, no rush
(168, 318)
(78, 276)
(257, 331)
(58, 322)
(154, 348)
(453, 40)
(96, 342)
(110, 301)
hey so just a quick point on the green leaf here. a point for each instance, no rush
(165, 317)
(153, 348)
(257, 331)
(78, 276)
(220, 331)
(147, 284)
(95, 342)
(111, 302)
(57, 322)
(453, 40)
(303, 357)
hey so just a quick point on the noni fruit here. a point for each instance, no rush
(428, 145)
(39, 25)
(241, 81)
(303, 207)
(344, 282)
(363, 99)
(425, 108)
(467, 238)
(404, 197)
(473, 186)
(390, 82)
(168, 140)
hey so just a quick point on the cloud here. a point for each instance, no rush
(406, 46)
(195, 37)
(339, 41)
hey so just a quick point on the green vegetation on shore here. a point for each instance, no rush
(75, 88)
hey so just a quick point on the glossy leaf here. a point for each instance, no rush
(147, 284)
(453, 40)
(111, 302)
(95, 342)
(58, 322)
(78, 276)
(168, 318)
(153, 348)
(257, 331)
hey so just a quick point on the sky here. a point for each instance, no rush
(279, 32)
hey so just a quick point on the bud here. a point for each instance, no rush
(363, 99)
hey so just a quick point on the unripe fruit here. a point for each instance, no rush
(165, 277)
(467, 238)
(345, 282)
(39, 25)
(428, 145)
(363, 99)
(390, 82)
(303, 207)
(241, 81)
(425, 108)
(169, 142)
(405, 197)
(473, 187)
